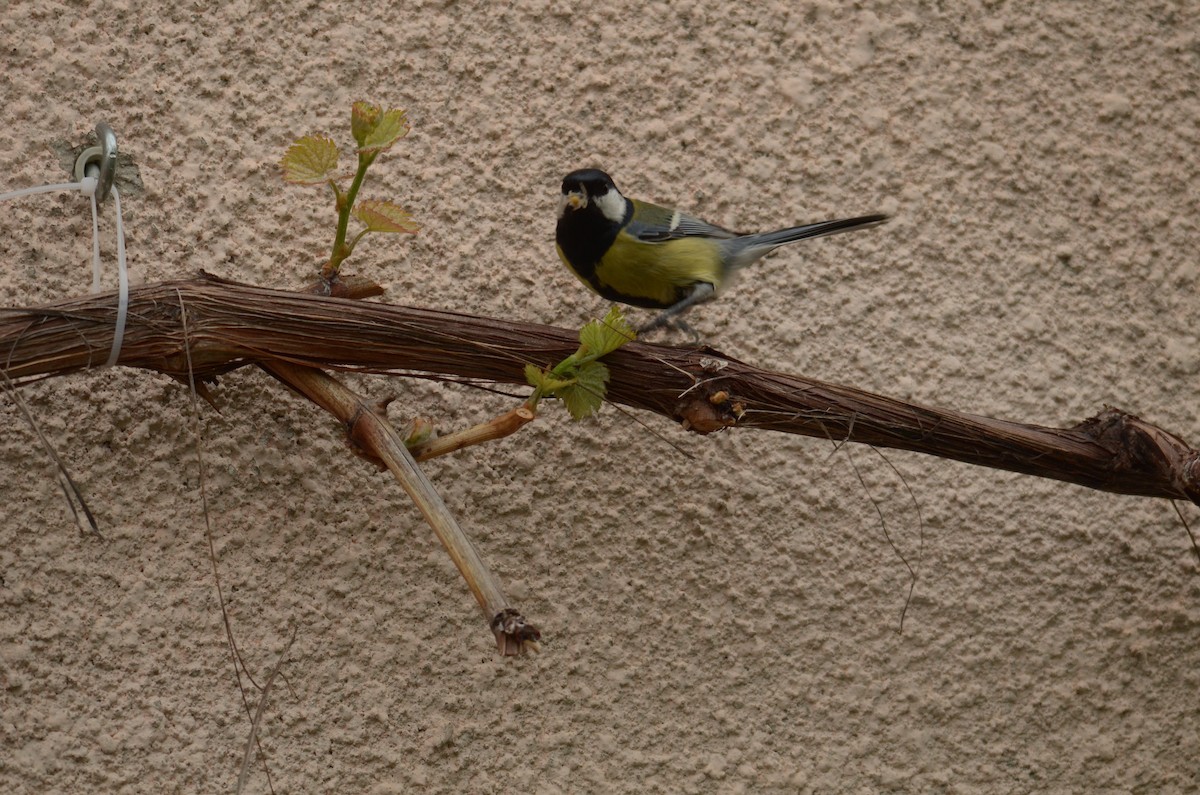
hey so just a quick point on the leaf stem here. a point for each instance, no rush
(350, 246)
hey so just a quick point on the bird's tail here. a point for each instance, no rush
(751, 247)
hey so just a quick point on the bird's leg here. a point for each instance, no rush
(700, 293)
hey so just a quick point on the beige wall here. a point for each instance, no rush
(725, 622)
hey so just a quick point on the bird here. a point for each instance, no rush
(655, 257)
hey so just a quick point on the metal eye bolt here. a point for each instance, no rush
(99, 161)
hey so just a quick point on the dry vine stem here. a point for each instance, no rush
(231, 325)
(369, 429)
(374, 436)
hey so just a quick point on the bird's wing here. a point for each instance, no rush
(655, 224)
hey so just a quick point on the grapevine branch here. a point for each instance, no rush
(231, 325)
(292, 334)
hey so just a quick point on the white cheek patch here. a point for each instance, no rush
(612, 205)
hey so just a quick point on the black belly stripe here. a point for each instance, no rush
(584, 237)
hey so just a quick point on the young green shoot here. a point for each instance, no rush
(312, 160)
(580, 380)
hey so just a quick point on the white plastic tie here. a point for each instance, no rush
(122, 284)
(96, 268)
(87, 186)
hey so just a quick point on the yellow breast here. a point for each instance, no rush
(657, 271)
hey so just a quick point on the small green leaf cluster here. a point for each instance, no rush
(580, 380)
(312, 160)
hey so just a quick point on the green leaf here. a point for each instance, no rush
(593, 376)
(534, 376)
(390, 127)
(580, 381)
(310, 161)
(544, 381)
(584, 397)
(382, 216)
(602, 337)
(363, 118)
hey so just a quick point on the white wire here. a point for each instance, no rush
(95, 245)
(88, 187)
(122, 285)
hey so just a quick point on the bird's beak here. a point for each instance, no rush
(575, 200)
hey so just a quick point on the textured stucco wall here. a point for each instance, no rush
(725, 622)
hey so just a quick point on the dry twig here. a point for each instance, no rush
(368, 428)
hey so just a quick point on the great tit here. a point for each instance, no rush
(641, 254)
